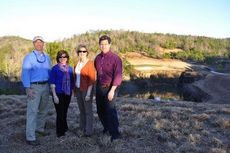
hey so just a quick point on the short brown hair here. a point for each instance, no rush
(60, 53)
(105, 37)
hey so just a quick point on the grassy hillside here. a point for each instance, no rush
(146, 126)
(202, 49)
(12, 50)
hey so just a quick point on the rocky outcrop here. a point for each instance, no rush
(194, 93)
(209, 87)
(186, 88)
(217, 86)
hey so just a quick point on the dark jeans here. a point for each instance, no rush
(61, 110)
(106, 110)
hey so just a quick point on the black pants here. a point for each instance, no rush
(61, 110)
(106, 110)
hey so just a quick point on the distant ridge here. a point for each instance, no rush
(153, 45)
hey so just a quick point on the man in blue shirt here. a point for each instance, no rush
(35, 76)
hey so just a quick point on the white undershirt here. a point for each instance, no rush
(78, 68)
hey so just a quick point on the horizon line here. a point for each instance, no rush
(94, 31)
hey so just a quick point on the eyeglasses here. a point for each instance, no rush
(63, 57)
(82, 51)
(39, 60)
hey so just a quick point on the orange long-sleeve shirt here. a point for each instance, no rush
(87, 74)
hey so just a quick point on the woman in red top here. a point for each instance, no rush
(85, 76)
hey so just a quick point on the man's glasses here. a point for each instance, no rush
(40, 60)
(82, 51)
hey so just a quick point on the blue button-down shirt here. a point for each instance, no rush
(35, 68)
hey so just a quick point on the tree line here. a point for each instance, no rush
(192, 48)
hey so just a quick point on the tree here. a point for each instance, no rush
(52, 49)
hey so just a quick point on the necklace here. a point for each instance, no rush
(38, 60)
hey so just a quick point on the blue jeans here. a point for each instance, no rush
(37, 110)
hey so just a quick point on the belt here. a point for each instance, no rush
(104, 85)
(40, 82)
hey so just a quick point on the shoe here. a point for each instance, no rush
(33, 143)
(104, 131)
(42, 133)
(87, 135)
(115, 137)
(60, 135)
(66, 129)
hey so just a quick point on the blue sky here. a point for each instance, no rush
(59, 19)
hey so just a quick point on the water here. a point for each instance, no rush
(150, 89)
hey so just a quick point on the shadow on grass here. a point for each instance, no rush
(148, 88)
(9, 86)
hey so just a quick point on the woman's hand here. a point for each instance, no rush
(56, 100)
(87, 98)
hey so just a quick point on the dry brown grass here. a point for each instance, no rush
(151, 64)
(145, 66)
(201, 117)
(224, 123)
(146, 126)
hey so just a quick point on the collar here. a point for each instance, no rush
(38, 52)
(105, 54)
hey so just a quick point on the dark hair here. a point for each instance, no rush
(105, 37)
(60, 53)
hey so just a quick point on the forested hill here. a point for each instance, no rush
(14, 43)
(156, 45)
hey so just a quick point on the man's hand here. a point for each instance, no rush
(111, 95)
(30, 93)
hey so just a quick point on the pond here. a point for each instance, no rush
(165, 88)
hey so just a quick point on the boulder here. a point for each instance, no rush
(209, 87)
